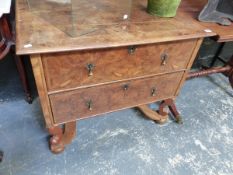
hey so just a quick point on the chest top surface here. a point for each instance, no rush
(35, 33)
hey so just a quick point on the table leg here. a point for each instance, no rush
(217, 54)
(1, 156)
(153, 115)
(161, 116)
(230, 72)
(22, 74)
(172, 107)
(61, 136)
(231, 80)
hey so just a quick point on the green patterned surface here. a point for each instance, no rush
(163, 8)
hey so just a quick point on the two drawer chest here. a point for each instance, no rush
(128, 65)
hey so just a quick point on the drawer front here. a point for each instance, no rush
(85, 68)
(87, 102)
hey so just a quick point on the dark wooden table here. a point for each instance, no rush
(224, 34)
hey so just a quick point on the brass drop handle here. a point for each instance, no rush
(153, 92)
(131, 49)
(90, 105)
(90, 67)
(164, 58)
(125, 87)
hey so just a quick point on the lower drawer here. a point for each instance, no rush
(87, 102)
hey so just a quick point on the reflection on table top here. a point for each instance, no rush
(65, 29)
(81, 17)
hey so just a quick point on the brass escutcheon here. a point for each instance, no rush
(90, 67)
(90, 105)
(153, 92)
(126, 87)
(164, 57)
(131, 49)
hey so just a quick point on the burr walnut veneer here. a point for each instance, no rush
(126, 65)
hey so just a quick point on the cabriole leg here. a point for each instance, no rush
(61, 136)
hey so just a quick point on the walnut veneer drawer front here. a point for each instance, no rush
(84, 68)
(91, 101)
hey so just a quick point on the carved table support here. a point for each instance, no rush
(208, 72)
(60, 137)
(153, 115)
(161, 116)
(172, 107)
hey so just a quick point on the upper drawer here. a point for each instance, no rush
(84, 68)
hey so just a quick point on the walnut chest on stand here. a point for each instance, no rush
(84, 69)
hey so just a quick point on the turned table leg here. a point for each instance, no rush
(1, 156)
(172, 107)
(226, 70)
(23, 78)
(61, 136)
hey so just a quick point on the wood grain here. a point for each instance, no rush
(191, 60)
(42, 89)
(153, 115)
(60, 137)
(75, 105)
(119, 79)
(143, 28)
(69, 70)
